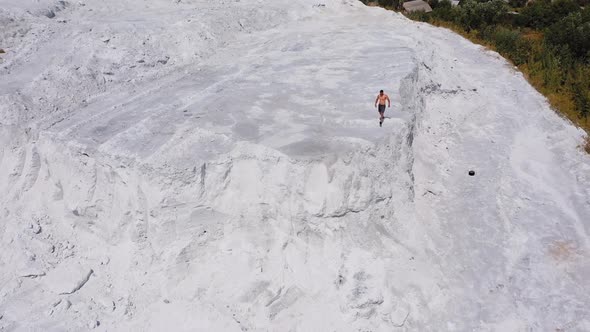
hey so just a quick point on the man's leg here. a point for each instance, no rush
(381, 113)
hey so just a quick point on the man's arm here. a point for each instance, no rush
(376, 100)
(388, 102)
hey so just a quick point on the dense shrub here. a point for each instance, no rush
(582, 101)
(580, 76)
(551, 70)
(420, 16)
(571, 35)
(543, 13)
(475, 15)
(390, 3)
(445, 11)
(517, 3)
(538, 15)
(562, 8)
(511, 44)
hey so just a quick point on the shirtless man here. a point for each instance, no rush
(381, 98)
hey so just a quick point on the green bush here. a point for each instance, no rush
(488, 33)
(512, 45)
(551, 70)
(537, 16)
(543, 13)
(582, 101)
(445, 11)
(420, 16)
(517, 3)
(562, 8)
(390, 3)
(475, 15)
(571, 35)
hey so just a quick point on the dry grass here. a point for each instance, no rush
(586, 145)
(533, 35)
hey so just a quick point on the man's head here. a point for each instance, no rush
(380, 92)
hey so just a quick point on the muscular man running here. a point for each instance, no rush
(381, 98)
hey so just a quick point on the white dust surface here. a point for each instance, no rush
(191, 165)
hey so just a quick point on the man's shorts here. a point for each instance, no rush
(381, 108)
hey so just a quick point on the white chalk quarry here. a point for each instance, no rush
(219, 166)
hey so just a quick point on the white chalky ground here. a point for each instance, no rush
(218, 166)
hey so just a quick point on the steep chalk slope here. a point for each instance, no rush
(513, 239)
(220, 167)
